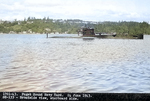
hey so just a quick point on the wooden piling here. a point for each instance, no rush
(46, 35)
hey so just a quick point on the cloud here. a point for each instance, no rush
(42, 2)
(96, 10)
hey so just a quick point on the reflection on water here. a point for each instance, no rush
(35, 63)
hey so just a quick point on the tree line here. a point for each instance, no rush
(71, 26)
(124, 28)
(33, 25)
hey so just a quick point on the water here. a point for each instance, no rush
(39, 64)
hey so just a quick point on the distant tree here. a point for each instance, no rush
(2, 28)
(144, 26)
(72, 25)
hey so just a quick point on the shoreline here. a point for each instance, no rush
(80, 36)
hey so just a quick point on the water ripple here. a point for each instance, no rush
(74, 65)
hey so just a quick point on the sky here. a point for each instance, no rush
(88, 10)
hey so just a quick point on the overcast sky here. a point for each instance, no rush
(89, 10)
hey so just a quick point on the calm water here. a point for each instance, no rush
(36, 63)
